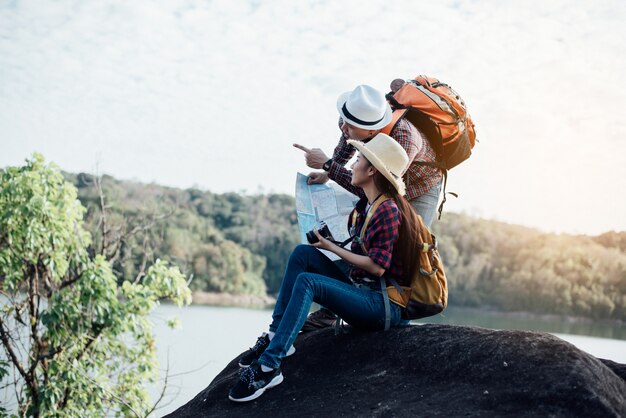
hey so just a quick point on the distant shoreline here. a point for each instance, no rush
(543, 316)
(267, 302)
(228, 299)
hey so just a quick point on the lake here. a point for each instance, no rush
(210, 337)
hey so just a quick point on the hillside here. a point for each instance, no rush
(240, 243)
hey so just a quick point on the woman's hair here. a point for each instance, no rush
(405, 248)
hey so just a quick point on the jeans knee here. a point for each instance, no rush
(300, 251)
(303, 277)
(304, 280)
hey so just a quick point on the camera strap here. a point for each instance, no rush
(344, 243)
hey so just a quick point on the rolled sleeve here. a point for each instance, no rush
(381, 257)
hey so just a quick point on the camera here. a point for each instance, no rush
(323, 231)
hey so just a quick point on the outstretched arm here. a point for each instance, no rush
(314, 157)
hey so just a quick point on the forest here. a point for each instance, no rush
(239, 243)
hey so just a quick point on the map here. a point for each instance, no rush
(323, 202)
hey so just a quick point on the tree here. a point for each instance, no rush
(75, 343)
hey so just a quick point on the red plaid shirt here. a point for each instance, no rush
(418, 179)
(380, 237)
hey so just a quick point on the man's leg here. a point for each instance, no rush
(426, 205)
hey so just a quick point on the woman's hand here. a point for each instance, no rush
(361, 261)
(322, 242)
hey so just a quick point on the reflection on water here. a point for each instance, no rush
(498, 320)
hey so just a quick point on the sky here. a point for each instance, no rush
(212, 94)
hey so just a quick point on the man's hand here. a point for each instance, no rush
(317, 177)
(315, 157)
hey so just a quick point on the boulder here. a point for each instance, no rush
(428, 370)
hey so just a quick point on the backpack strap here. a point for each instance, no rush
(368, 217)
(445, 182)
(444, 171)
(395, 118)
(383, 286)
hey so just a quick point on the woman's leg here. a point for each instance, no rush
(359, 307)
(304, 258)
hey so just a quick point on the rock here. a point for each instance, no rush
(428, 370)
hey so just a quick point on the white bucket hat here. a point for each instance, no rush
(384, 153)
(364, 107)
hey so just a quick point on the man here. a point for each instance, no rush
(364, 112)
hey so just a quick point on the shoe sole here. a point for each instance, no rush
(273, 383)
(291, 350)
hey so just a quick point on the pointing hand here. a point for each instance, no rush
(315, 157)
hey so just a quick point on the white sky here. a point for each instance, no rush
(213, 94)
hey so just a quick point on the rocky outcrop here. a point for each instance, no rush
(428, 370)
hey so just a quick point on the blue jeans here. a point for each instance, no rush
(312, 277)
(426, 204)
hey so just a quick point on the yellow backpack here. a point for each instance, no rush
(428, 293)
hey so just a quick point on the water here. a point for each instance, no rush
(210, 337)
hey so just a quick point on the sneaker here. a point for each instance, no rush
(322, 318)
(255, 352)
(253, 382)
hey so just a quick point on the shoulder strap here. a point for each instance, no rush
(395, 118)
(368, 217)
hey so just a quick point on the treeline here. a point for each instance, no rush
(225, 242)
(240, 244)
(514, 268)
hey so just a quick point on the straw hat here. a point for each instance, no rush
(364, 107)
(384, 153)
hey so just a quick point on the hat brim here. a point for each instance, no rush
(343, 98)
(397, 182)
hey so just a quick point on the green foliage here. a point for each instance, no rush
(79, 344)
(513, 268)
(229, 243)
(240, 244)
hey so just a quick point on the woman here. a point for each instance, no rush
(312, 277)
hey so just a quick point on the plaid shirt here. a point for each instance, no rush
(380, 237)
(418, 179)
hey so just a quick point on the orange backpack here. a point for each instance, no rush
(438, 112)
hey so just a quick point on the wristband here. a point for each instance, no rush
(326, 166)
